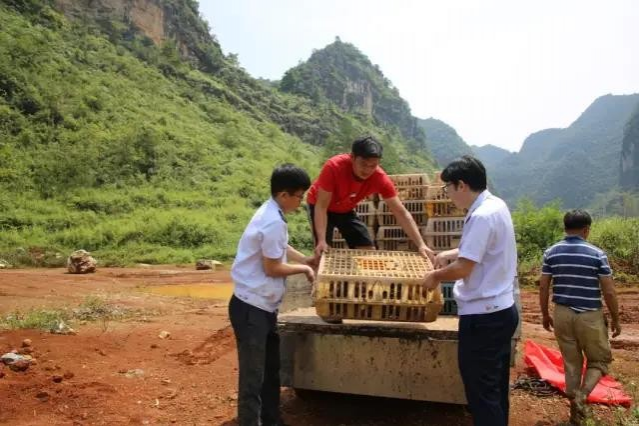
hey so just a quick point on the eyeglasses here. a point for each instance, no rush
(300, 197)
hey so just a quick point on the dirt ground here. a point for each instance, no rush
(121, 372)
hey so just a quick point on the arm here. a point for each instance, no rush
(544, 294)
(321, 220)
(445, 257)
(299, 257)
(610, 297)
(409, 226)
(460, 268)
(276, 268)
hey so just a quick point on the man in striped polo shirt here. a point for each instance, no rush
(579, 272)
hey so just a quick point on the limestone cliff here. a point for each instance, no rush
(158, 20)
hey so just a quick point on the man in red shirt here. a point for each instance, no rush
(344, 181)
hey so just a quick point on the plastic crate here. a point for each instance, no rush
(338, 238)
(339, 244)
(417, 209)
(375, 285)
(440, 242)
(436, 192)
(442, 208)
(367, 212)
(418, 179)
(445, 225)
(394, 238)
(450, 305)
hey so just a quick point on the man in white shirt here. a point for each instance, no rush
(259, 274)
(485, 265)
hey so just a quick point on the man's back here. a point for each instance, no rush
(575, 266)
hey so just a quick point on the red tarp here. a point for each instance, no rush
(550, 367)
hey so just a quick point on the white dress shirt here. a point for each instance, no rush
(266, 235)
(488, 238)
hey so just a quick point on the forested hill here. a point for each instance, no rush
(125, 130)
(341, 75)
(574, 164)
(443, 141)
(629, 178)
(490, 155)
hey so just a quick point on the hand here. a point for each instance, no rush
(311, 261)
(444, 258)
(321, 247)
(427, 253)
(430, 281)
(310, 273)
(548, 323)
(616, 328)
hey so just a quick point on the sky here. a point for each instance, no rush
(495, 70)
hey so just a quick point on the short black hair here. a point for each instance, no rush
(577, 219)
(468, 169)
(367, 147)
(289, 178)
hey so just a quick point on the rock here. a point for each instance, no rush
(154, 346)
(134, 373)
(4, 264)
(11, 357)
(26, 351)
(43, 396)
(164, 334)
(62, 328)
(57, 378)
(26, 343)
(20, 365)
(68, 375)
(81, 262)
(204, 264)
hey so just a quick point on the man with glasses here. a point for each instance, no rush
(345, 180)
(484, 265)
(579, 272)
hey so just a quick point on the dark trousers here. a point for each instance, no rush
(258, 348)
(484, 363)
(349, 224)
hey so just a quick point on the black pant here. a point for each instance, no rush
(349, 224)
(258, 348)
(484, 363)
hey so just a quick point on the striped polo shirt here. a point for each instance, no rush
(575, 266)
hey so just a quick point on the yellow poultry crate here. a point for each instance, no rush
(375, 285)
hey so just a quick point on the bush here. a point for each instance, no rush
(536, 228)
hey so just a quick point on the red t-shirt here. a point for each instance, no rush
(337, 178)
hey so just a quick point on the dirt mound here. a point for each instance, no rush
(216, 346)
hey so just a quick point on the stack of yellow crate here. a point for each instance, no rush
(375, 285)
(411, 190)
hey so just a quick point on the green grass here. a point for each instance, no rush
(93, 308)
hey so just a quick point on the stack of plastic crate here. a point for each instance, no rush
(443, 231)
(375, 285)
(411, 190)
(410, 186)
(450, 306)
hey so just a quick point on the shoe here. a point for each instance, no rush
(579, 409)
